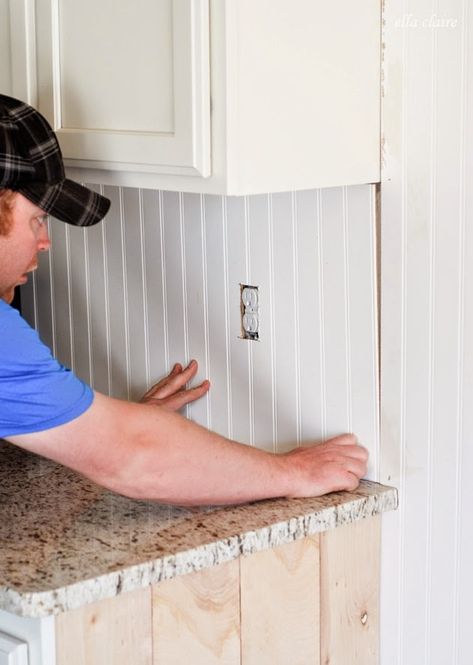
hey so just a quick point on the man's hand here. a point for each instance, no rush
(171, 391)
(336, 464)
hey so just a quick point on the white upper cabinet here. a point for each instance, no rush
(219, 96)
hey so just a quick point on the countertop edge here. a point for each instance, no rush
(46, 603)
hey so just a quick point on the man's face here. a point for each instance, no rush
(19, 249)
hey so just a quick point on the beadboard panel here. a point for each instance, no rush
(5, 72)
(427, 328)
(159, 282)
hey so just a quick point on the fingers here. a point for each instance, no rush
(344, 481)
(171, 391)
(178, 379)
(157, 386)
(347, 444)
(173, 382)
(343, 440)
(355, 466)
(180, 399)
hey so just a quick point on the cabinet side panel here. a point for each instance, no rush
(308, 86)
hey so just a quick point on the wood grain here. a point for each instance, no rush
(349, 594)
(280, 605)
(116, 630)
(196, 618)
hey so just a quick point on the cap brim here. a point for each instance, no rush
(68, 201)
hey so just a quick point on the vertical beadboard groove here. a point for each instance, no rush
(403, 355)
(297, 354)
(375, 324)
(346, 252)
(108, 337)
(164, 284)
(433, 221)
(185, 317)
(125, 292)
(251, 405)
(274, 402)
(260, 368)
(227, 317)
(320, 264)
(461, 326)
(87, 307)
(205, 303)
(144, 288)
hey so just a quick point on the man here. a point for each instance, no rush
(142, 450)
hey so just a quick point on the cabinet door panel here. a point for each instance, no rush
(12, 651)
(133, 94)
(107, 71)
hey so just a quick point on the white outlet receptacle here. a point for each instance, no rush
(249, 308)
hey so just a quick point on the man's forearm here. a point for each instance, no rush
(190, 465)
(161, 455)
(148, 452)
(145, 452)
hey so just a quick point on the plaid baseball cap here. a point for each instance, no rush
(31, 163)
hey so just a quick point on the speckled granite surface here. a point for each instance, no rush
(66, 542)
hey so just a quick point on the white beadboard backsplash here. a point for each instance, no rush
(159, 282)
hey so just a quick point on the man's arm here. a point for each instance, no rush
(147, 451)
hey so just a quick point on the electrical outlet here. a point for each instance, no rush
(249, 310)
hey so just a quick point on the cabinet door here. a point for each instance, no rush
(12, 651)
(131, 95)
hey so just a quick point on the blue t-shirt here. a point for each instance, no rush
(36, 391)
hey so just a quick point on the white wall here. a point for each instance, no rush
(427, 333)
(158, 282)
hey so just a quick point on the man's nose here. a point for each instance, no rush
(44, 241)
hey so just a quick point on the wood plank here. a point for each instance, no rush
(116, 630)
(349, 594)
(196, 618)
(280, 605)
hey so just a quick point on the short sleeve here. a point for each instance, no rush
(36, 391)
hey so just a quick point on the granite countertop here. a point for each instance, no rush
(66, 542)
